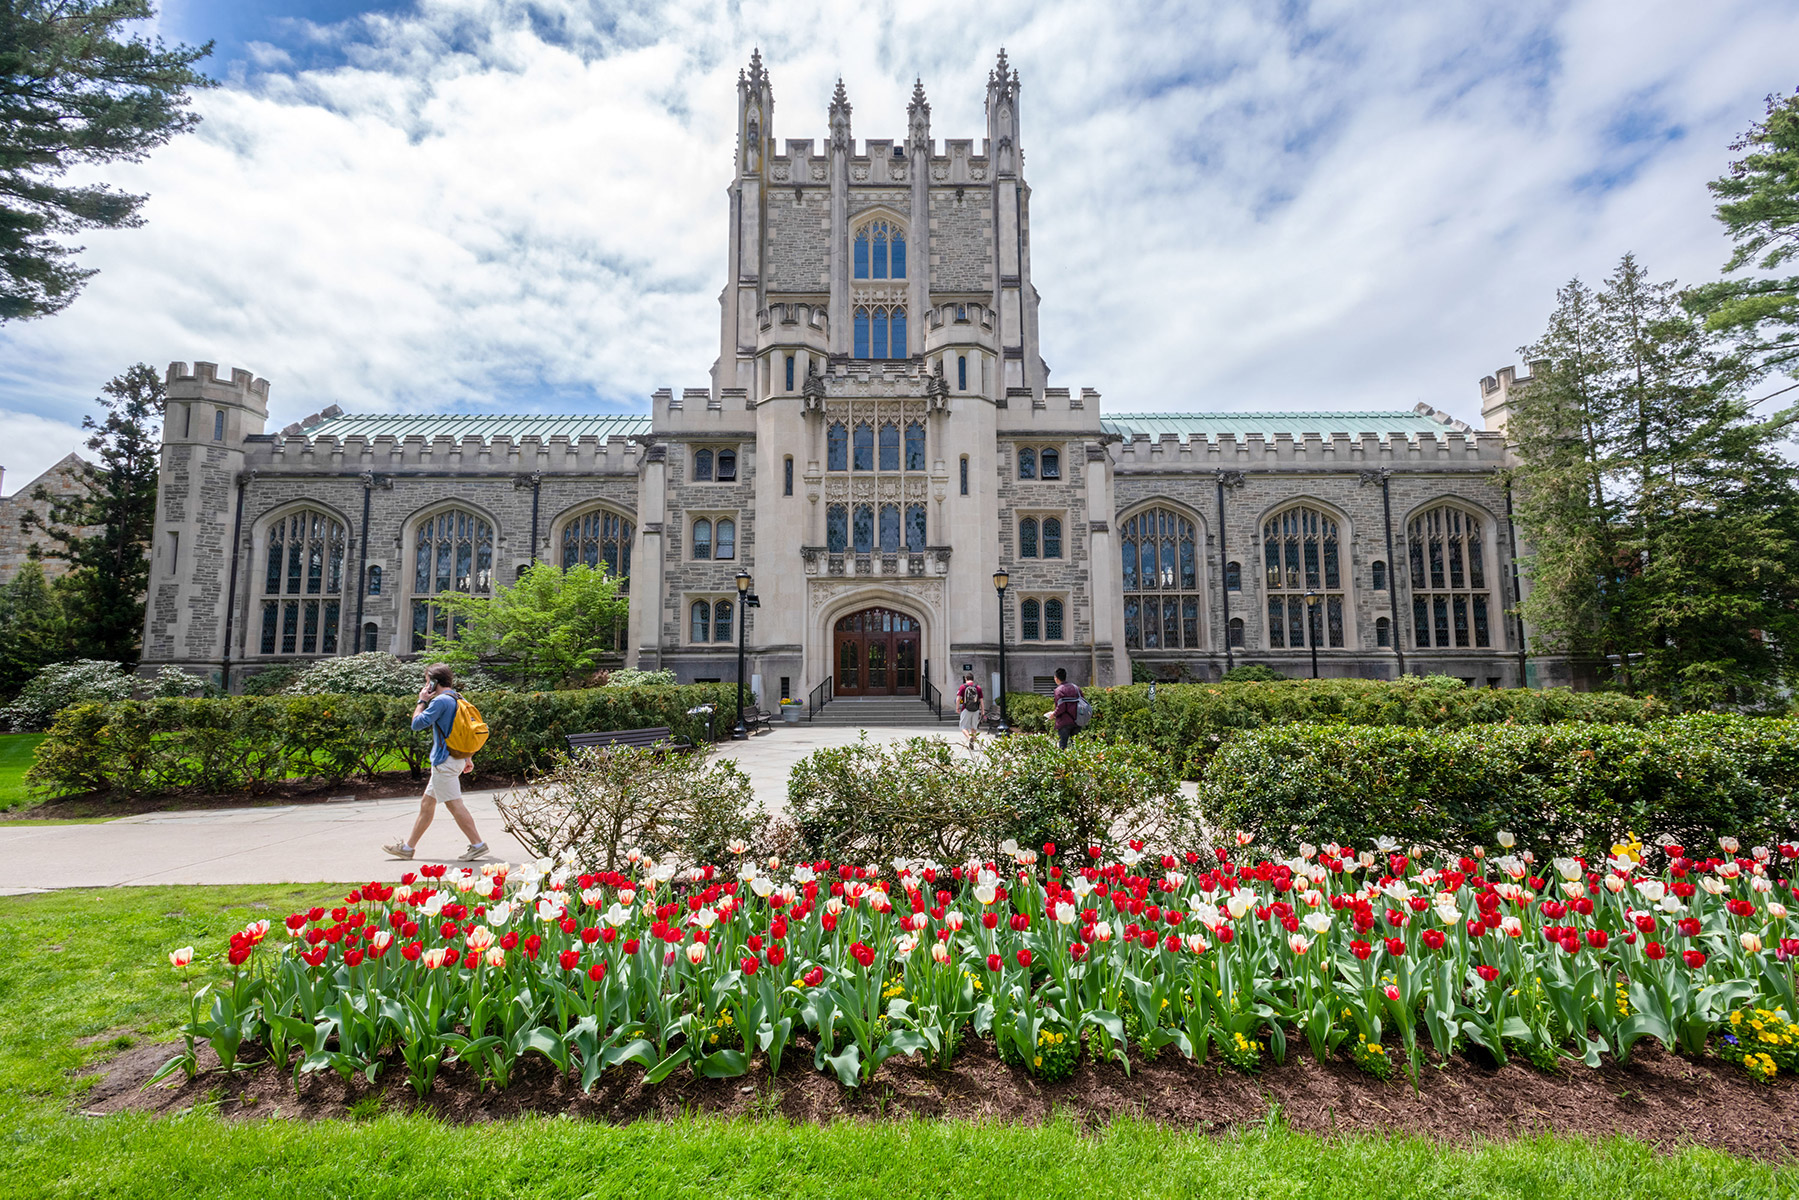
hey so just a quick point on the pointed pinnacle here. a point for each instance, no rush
(918, 99)
(840, 98)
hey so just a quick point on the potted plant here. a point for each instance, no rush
(791, 710)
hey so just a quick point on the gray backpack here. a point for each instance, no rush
(1083, 713)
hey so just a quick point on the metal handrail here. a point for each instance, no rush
(933, 698)
(818, 698)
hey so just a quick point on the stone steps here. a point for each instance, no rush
(900, 712)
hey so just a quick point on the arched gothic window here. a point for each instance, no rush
(1052, 620)
(890, 529)
(1027, 538)
(1378, 576)
(837, 447)
(303, 584)
(702, 538)
(701, 630)
(880, 251)
(1030, 621)
(371, 637)
(1383, 631)
(725, 539)
(1027, 463)
(727, 466)
(1049, 465)
(1160, 552)
(721, 620)
(702, 466)
(374, 581)
(1233, 577)
(1449, 580)
(453, 553)
(837, 528)
(1236, 631)
(864, 459)
(1300, 548)
(880, 332)
(915, 530)
(862, 528)
(598, 538)
(915, 447)
(1052, 537)
(890, 447)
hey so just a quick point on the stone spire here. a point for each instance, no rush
(840, 120)
(1002, 116)
(755, 114)
(918, 121)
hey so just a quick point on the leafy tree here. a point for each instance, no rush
(1758, 203)
(34, 631)
(1660, 518)
(546, 630)
(76, 91)
(104, 531)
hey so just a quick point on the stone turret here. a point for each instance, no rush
(205, 422)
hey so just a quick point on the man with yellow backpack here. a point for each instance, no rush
(457, 731)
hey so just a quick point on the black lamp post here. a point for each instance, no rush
(1000, 580)
(745, 602)
(1312, 628)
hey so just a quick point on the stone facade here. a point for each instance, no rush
(877, 437)
(17, 541)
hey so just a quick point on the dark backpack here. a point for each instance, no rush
(968, 697)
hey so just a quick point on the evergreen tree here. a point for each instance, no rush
(1661, 518)
(1758, 203)
(118, 506)
(33, 630)
(74, 92)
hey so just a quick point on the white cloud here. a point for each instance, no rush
(31, 444)
(521, 202)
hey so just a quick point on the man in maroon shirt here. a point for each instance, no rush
(1068, 697)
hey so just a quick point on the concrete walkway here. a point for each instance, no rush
(329, 842)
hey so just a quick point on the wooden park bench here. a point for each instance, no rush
(655, 737)
(754, 716)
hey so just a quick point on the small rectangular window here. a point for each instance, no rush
(187, 420)
(965, 474)
(174, 550)
(790, 372)
(962, 372)
(218, 425)
(787, 476)
(727, 466)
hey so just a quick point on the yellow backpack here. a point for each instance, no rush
(468, 732)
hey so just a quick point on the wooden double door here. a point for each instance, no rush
(875, 653)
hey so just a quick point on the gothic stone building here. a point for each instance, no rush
(878, 439)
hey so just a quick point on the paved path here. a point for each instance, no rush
(329, 842)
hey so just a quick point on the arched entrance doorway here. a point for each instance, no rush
(875, 653)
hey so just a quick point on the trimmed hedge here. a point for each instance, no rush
(1575, 786)
(251, 743)
(1192, 720)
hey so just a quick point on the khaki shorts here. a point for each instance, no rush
(971, 720)
(446, 780)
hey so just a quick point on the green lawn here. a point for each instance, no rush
(15, 759)
(90, 967)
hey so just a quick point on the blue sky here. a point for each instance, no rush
(519, 204)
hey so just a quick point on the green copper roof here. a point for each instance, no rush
(461, 425)
(1212, 424)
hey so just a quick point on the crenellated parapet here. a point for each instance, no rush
(1453, 448)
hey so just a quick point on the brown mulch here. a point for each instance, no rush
(1657, 1097)
(388, 784)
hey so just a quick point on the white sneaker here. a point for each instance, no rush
(398, 850)
(472, 853)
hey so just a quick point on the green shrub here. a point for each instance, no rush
(926, 797)
(250, 743)
(625, 677)
(1251, 673)
(1191, 721)
(62, 684)
(1576, 785)
(172, 682)
(271, 679)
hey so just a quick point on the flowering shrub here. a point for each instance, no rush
(369, 674)
(61, 685)
(1052, 955)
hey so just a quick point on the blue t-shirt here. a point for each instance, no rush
(439, 716)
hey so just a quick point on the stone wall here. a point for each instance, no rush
(799, 241)
(961, 241)
(63, 481)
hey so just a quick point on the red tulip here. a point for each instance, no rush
(993, 962)
(1434, 938)
(1361, 949)
(1487, 973)
(1024, 958)
(597, 972)
(1655, 951)
(1396, 947)
(1693, 958)
(750, 965)
(570, 959)
(814, 977)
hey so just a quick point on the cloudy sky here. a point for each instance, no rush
(519, 205)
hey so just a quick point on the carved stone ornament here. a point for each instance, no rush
(1373, 477)
(780, 172)
(924, 592)
(977, 173)
(940, 172)
(896, 172)
(818, 173)
(1231, 479)
(860, 174)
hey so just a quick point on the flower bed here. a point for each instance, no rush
(1363, 952)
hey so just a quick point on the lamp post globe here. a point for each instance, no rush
(1000, 579)
(1312, 599)
(740, 732)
